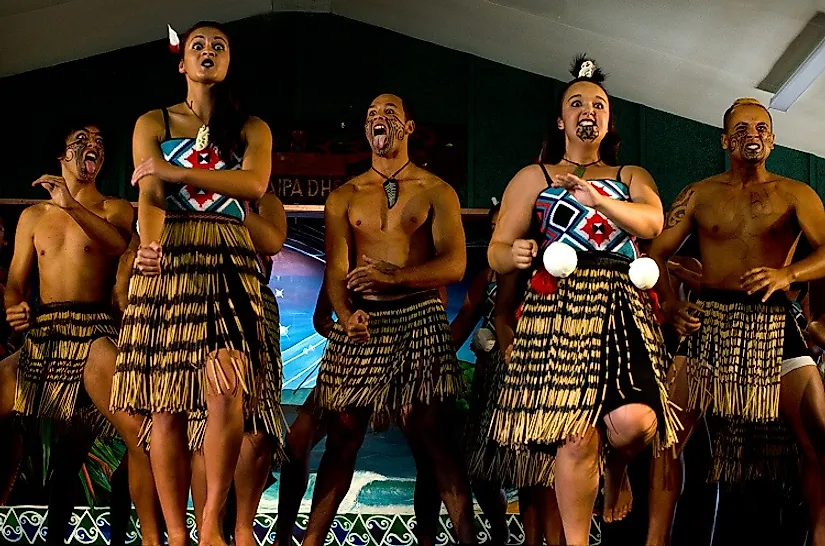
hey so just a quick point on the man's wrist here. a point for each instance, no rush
(792, 273)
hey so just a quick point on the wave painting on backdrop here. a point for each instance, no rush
(385, 474)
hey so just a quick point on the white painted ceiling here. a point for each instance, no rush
(687, 57)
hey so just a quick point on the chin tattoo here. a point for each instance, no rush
(587, 133)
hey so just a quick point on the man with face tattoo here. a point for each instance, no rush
(73, 242)
(743, 357)
(393, 237)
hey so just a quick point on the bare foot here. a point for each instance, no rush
(618, 498)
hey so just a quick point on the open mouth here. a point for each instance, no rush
(753, 147)
(90, 162)
(207, 63)
(379, 136)
(586, 123)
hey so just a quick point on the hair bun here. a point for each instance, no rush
(584, 68)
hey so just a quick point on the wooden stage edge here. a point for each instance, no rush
(292, 210)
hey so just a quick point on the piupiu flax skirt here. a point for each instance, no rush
(486, 459)
(409, 358)
(206, 298)
(589, 347)
(53, 359)
(734, 365)
(269, 401)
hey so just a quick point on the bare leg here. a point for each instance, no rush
(493, 501)
(304, 434)
(8, 383)
(198, 488)
(667, 470)
(222, 441)
(169, 455)
(428, 429)
(97, 380)
(71, 450)
(530, 510)
(802, 404)
(629, 428)
(12, 453)
(577, 483)
(427, 500)
(120, 508)
(345, 436)
(250, 480)
(551, 517)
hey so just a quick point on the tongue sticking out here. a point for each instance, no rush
(379, 142)
(91, 166)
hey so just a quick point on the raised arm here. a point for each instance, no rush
(339, 249)
(507, 250)
(450, 260)
(23, 259)
(247, 183)
(268, 227)
(110, 231)
(471, 310)
(152, 198)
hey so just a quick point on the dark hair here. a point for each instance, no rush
(66, 127)
(490, 213)
(228, 115)
(743, 102)
(555, 144)
(405, 105)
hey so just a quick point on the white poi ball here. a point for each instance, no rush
(560, 259)
(644, 273)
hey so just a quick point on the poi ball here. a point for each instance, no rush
(560, 259)
(644, 273)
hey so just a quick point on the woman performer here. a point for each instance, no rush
(193, 334)
(588, 358)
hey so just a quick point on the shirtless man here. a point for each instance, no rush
(67, 362)
(747, 220)
(393, 237)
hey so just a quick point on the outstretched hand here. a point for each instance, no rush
(58, 190)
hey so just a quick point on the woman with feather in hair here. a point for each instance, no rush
(193, 338)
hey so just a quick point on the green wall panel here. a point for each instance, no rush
(311, 68)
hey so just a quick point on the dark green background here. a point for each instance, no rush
(307, 68)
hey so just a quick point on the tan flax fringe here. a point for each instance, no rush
(207, 298)
(269, 387)
(558, 376)
(735, 360)
(408, 358)
(746, 451)
(52, 361)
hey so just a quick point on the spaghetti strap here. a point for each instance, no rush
(619, 174)
(546, 175)
(168, 134)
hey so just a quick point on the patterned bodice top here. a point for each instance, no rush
(560, 217)
(184, 198)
